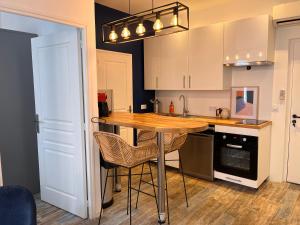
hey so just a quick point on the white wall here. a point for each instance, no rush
(226, 10)
(30, 25)
(76, 13)
(261, 77)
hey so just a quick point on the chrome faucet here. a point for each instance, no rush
(184, 110)
(155, 103)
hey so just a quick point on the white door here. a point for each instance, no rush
(294, 144)
(115, 73)
(58, 95)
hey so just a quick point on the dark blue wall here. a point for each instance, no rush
(105, 14)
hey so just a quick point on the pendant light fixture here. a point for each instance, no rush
(174, 20)
(140, 30)
(113, 36)
(162, 20)
(158, 25)
(125, 32)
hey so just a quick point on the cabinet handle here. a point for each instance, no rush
(189, 81)
(156, 82)
(183, 81)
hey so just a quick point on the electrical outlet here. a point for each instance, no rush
(143, 106)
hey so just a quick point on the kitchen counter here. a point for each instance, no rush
(224, 122)
(155, 122)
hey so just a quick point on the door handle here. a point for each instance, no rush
(295, 116)
(156, 82)
(189, 81)
(130, 109)
(37, 123)
(234, 146)
(183, 81)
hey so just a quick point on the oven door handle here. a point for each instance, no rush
(234, 146)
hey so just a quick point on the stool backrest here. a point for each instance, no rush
(113, 148)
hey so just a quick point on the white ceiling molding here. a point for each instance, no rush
(141, 5)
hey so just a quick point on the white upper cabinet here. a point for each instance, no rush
(174, 61)
(249, 41)
(166, 62)
(152, 62)
(206, 70)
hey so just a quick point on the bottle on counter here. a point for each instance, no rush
(171, 108)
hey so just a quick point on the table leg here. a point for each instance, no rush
(161, 179)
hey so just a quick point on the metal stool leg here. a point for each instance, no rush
(129, 195)
(167, 196)
(103, 195)
(138, 194)
(152, 180)
(182, 174)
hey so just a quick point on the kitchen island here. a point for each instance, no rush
(161, 125)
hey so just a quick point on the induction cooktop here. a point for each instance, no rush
(251, 122)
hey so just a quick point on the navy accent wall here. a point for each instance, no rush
(105, 14)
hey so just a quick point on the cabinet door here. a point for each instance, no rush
(152, 62)
(206, 58)
(174, 61)
(246, 40)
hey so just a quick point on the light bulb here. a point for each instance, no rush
(174, 20)
(140, 30)
(113, 36)
(125, 33)
(158, 25)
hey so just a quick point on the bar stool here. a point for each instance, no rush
(173, 142)
(116, 152)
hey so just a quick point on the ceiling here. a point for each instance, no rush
(141, 5)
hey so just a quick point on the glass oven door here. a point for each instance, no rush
(236, 155)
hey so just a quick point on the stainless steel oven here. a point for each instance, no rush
(236, 155)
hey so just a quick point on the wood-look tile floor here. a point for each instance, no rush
(215, 203)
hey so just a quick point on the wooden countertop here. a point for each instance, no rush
(225, 122)
(155, 122)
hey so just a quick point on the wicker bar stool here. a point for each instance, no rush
(116, 152)
(173, 142)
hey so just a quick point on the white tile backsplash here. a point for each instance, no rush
(205, 102)
(198, 102)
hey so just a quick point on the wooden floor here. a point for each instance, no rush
(217, 203)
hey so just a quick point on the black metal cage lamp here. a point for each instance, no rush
(163, 20)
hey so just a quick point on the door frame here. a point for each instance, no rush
(89, 96)
(282, 80)
(289, 104)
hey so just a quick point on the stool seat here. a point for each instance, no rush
(115, 152)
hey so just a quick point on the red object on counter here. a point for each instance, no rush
(171, 108)
(102, 97)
